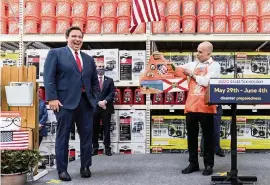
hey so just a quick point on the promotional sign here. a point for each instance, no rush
(226, 62)
(110, 59)
(169, 131)
(131, 64)
(161, 75)
(37, 57)
(253, 132)
(10, 121)
(253, 64)
(240, 91)
(8, 58)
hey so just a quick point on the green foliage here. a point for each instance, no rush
(18, 161)
(173, 67)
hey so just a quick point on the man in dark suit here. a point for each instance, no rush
(104, 110)
(43, 117)
(217, 121)
(72, 90)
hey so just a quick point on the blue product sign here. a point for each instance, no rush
(240, 91)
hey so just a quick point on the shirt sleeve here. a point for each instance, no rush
(213, 72)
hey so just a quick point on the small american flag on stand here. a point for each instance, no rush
(14, 140)
(143, 11)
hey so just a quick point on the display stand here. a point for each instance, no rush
(232, 92)
(232, 176)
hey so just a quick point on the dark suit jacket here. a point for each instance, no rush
(63, 81)
(43, 117)
(107, 93)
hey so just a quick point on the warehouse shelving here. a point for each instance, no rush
(209, 37)
(139, 37)
(116, 83)
(150, 41)
(9, 38)
(87, 38)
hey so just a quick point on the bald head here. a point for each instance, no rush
(205, 50)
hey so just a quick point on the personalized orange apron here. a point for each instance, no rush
(196, 95)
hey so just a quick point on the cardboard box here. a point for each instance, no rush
(37, 58)
(110, 59)
(132, 63)
(253, 64)
(169, 131)
(9, 58)
(178, 58)
(47, 150)
(227, 63)
(253, 132)
(114, 129)
(132, 148)
(132, 125)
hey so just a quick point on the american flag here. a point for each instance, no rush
(14, 140)
(143, 11)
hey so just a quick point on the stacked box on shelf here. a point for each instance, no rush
(132, 63)
(132, 131)
(168, 133)
(110, 59)
(114, 134)
(37, 58)
(227, 63)
(47, 150)
(9, 58)
(252, 132)
(253, 64)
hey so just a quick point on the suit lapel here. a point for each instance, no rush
(72, 59)
(104, 83)
(84, 62)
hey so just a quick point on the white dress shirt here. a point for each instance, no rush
(79, 55)
(102, 78)
(213, 70)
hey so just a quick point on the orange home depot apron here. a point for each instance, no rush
(196, 95)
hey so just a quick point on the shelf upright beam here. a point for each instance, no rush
(21, 30)
(148, 97)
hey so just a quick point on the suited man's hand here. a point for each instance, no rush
(102, 103)
(54, 105)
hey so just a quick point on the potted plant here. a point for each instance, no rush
(16, 164)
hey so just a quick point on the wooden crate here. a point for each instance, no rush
(28, 114)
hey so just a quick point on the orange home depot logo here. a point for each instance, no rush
(159, 120)
(46, 9)
(236, 6)
(122, 8)
(108, 9)
(241, 120)
(78, 9)
(241, 149)
(220, 7)
(61, 9)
